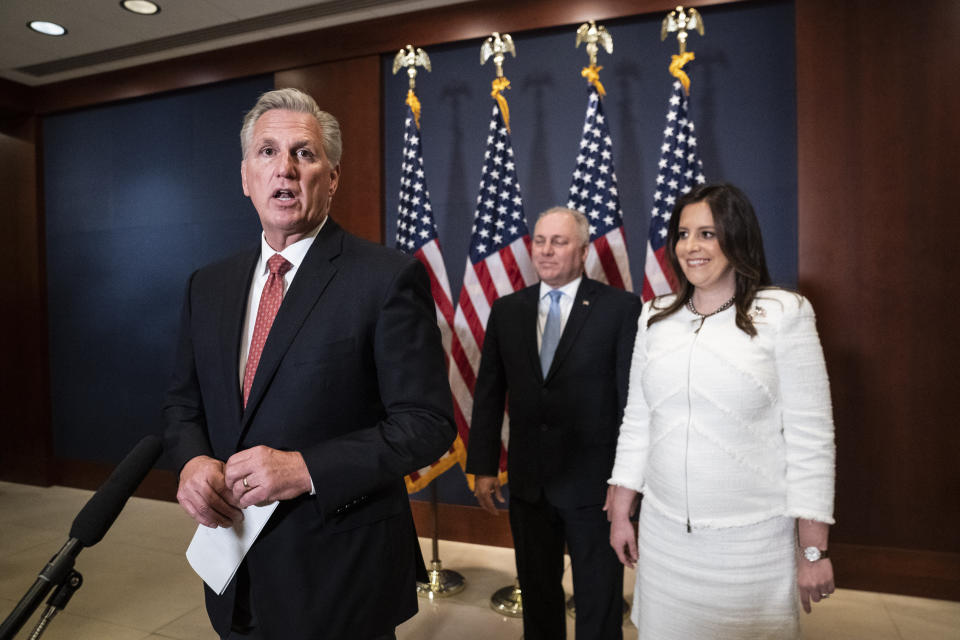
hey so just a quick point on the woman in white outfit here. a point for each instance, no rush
(728, 434)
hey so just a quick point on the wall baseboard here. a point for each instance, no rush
(159, 484)
(927, 574)
(459, 523)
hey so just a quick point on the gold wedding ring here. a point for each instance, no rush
(245, 485)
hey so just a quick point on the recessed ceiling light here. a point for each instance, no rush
(143, 7)
(46, 28)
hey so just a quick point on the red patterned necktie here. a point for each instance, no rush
(269, 303)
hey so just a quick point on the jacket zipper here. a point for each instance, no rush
(686, 450)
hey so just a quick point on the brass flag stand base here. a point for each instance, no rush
(508, 601)
(443, 582)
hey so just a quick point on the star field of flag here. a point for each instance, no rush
(415, 224)
(417, 235)
(499, 218)
(679, 168)
(498, 263)
(678, 171)
(594, 189)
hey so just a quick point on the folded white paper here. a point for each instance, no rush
(215, 554)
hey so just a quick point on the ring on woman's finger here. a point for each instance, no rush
(824, 595)
(245, 485)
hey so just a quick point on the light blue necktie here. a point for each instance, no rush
(551, 332)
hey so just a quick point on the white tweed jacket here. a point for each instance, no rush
(721, 429)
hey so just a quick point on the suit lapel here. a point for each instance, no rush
(528, 321)
(582, 304)
(233, 310)
(312, 278)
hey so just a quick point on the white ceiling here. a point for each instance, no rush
(102, 36)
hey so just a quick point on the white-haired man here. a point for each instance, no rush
(309, 371)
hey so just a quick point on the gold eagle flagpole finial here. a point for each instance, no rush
(411, 59)
(496, 47)
(594, 35)
(681, 22)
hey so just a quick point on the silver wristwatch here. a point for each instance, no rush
(812, 554)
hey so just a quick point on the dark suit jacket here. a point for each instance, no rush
(563, 427)
(352, 375)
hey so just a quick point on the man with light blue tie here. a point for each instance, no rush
(560, 352)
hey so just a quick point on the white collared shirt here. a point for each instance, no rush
(569, 292)
(294, 254)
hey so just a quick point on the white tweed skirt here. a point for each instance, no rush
(733, 582)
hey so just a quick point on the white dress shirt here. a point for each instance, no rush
(294, 254)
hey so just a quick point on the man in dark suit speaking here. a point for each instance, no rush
(560, 352)
(310, 371)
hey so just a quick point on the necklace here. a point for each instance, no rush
(703, 316)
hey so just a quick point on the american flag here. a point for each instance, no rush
(594, 192)
(498, 263)
(679, 169)
(417, 235)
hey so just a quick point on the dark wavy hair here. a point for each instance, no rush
(738, 233)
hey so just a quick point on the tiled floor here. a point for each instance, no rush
(138, 586)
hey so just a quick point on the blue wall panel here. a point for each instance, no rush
(138, 195)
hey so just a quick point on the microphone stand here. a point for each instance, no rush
(88, 529)
(58, 602)
(55, 574)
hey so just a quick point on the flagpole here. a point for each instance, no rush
(595, 166)
(506, 600)
(417, 234)
(679, 168)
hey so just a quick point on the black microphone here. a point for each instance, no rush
(88, 528)
(102, 509)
